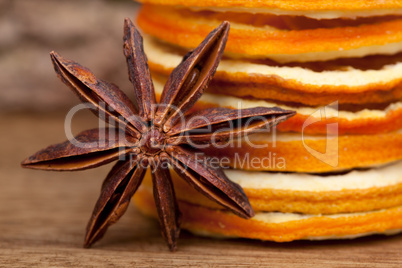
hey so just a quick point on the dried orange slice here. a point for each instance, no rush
(346, 81)
(278, 226)
(296, 153)
(186, 28)
(355, 191)
(320, 9)
(309, 120)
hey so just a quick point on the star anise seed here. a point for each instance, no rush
(154, 135)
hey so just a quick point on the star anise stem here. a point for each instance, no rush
(154, 136)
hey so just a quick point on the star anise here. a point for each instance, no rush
(154, 135)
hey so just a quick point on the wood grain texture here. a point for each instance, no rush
(44, 214)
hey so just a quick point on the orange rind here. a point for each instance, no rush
(278, 226)
(313, 120)
(349, 81)
(296, 153)
(355, 191)
(320, 9)
(186, 28)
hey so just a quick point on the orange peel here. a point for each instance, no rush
(276, 226)
(295, 83)
(186, 28)
(293, 153)
(356, 191)
(341, 122)
(320, 9)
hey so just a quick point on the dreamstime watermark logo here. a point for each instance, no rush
(222, 138)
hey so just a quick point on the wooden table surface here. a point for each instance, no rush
(44, 215)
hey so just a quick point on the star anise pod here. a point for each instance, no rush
(154, 135)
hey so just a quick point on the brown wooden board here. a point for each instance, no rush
(44, 215)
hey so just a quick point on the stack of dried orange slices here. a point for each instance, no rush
(334, 169)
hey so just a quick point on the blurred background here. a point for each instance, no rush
(89, 32)
(34, 104)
